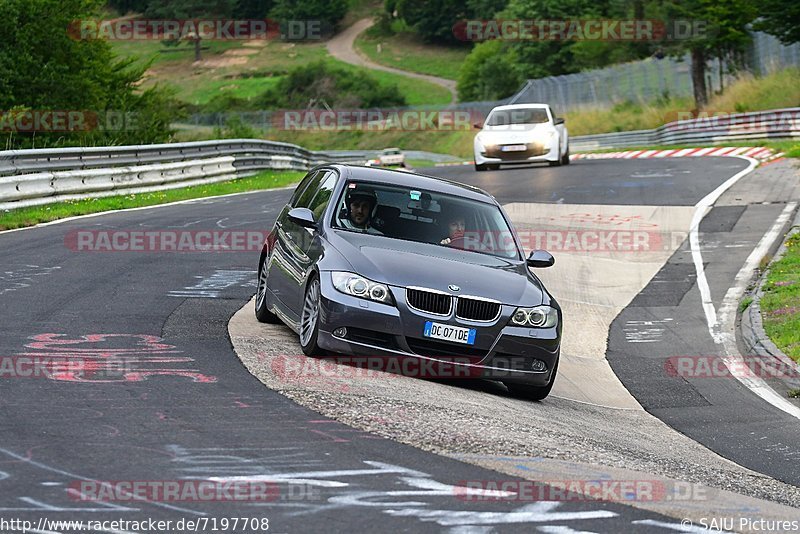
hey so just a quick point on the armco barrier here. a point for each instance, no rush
(772, 124)
(42, 176)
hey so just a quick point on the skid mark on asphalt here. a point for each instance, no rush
(22, 277)
(215, 286)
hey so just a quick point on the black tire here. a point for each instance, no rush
(480, 168)
(556, 163)
(535, 393)
(565, 157)
(493, 166)
(262, 311)
(309, 326)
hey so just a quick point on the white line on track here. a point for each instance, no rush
(726, 329)
(176, 203)
(723, 331)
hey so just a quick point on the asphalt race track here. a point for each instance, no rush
(162, 396)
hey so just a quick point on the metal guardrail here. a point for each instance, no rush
(41, 176)
(759, 125)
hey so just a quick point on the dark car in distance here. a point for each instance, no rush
(381, 263)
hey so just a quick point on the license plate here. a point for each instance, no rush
(450, 333)
(514, 148)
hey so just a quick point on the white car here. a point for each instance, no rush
(521, 133)
(392, 156)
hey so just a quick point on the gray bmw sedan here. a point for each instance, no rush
(390, 267)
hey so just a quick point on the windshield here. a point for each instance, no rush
(425, 217)
(517, 116)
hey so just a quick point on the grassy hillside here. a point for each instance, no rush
(246, 69)
(406, 51)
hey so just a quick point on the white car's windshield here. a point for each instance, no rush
(426, 217)
(504, 117)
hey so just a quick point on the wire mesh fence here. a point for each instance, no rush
(652, 78)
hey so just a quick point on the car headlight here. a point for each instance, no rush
(358, 286)
(538, 317)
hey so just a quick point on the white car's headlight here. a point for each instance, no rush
(538, 317)
(358, 286)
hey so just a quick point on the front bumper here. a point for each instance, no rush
(381, 335)
(534, 152)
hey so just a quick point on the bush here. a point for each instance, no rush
(488, 73)
(316, 85)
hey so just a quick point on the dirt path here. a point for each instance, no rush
(341, 47)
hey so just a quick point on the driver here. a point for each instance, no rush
(455, 229)
(360, 205)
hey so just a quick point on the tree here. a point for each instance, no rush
(43, 68)
(192, 9)
(723, 33)
(487, 74)
(433, 20)
(780, 18)
(328, 12)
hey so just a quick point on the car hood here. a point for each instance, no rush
(405, 263)
(519, 133)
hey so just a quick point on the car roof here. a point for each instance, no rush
(520, 106)
(430, 183)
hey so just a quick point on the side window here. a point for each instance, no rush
(303, 186)
(305, 197)
(323, 196)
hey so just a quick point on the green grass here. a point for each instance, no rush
(246, 88)
(406, 51)
(160, 53)
(745, 303)
(778, 90)
(780, 306)
(21, 217)
(416, 92)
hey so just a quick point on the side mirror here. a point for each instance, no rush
(477, 126)
(558, 120)
(540, 259)
(303, 217)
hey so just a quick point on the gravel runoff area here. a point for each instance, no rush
(479, 423)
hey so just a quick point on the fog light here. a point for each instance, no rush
(340, 332)
(538, 365)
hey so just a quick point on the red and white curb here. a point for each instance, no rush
(761, 154)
